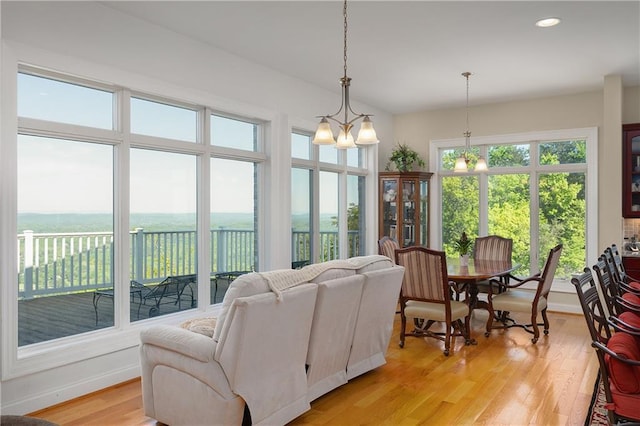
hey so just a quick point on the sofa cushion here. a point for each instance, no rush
(243, 286)
(625, 377)
(205, 326)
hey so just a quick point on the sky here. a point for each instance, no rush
(62, 176)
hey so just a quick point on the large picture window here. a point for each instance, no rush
(88, 258)
(536, 193)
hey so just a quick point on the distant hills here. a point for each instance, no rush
(92, 222)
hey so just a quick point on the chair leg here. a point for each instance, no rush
(402, 327)
(534, 325)
(546, 321)
(447, 339)
(467, 331)
(489, 321)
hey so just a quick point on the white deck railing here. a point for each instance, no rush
(54, 263)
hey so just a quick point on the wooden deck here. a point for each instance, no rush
(52, 317)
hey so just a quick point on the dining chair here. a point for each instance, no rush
(618, 298)
(514, 299)
(493, 247)
(614, 260)
(618, 354)
(425, 296)
(623, 309)
(387, 247)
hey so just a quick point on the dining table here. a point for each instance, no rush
(475, 271)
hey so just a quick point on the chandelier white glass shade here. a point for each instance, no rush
(324, 134)
(462, 162)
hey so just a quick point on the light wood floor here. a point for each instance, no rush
(503, 380)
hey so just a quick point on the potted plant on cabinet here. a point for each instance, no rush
(403, 157)
(463, 246)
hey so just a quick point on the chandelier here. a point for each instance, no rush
(324, 135)
(462, 162)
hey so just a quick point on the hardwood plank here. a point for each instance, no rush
(503, 380)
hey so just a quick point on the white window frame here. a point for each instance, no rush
(590, 169)
(20, 361)
(368, 159)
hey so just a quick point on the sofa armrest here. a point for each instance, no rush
(179, 340)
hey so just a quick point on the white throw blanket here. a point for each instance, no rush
(283, 279)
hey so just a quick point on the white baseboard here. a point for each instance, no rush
(33, 400)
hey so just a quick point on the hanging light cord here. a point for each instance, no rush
(344, 14)
(467, 134)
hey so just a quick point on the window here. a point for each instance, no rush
(329, 217)
(320, 177)
(65, 236)
(163, 232)
(301, 215)
(356, 207)
(232, 133)
(234, 219)
(534, 192)
(58, 101)
(162, 120)
(81, 249)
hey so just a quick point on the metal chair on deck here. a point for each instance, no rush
(170, 290)
(135, 289)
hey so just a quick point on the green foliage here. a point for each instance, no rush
(403, 157)
(353, 218)
(463, 244)
(561, 206)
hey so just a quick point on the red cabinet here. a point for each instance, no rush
(631, 170)
(632, 266)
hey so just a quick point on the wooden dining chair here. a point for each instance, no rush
(426, 296)
(493, 247)
(387, 246)
(526, 301)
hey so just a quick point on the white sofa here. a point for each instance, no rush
(282, 339)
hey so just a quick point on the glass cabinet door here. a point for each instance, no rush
(389, 210)
(424, 212)
(408, 213)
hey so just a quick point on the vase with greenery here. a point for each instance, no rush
(463, 246)
(404, 158)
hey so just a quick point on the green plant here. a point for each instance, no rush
(404, 158)
(463, 245)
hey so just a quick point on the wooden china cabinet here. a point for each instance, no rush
(631, 170)
(404, 207)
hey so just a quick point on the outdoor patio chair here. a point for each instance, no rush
(135, 289)
(170, 290)
(299, 264)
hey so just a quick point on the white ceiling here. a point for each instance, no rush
(406, 56)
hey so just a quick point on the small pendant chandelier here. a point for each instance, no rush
(366, 135)
(462, 162)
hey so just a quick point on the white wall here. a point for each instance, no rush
(96, 42)
(553, 113)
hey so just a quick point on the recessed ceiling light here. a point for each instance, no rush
(547, 22)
